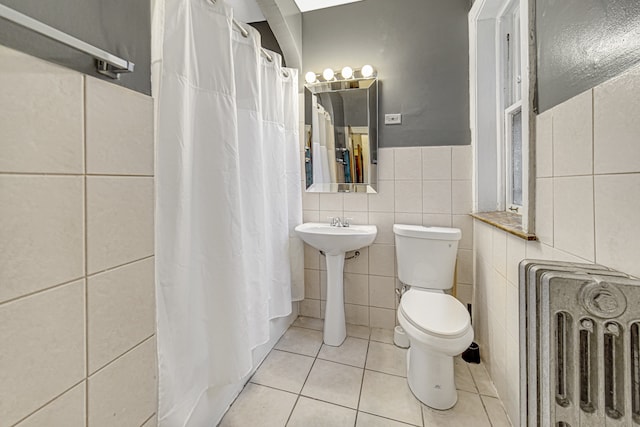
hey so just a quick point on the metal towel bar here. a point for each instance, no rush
(106, 63)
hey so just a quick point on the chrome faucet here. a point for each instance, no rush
(336, 221)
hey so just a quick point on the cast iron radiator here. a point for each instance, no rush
(579, 346)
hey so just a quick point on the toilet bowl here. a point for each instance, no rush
(437, 324)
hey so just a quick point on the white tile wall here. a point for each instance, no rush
(573, 136)
(71, 340)
(408, 196)
(381, 292)
(461, 201)
(416, 187)
(382, 260)
(617, 205)
(119, 220)
(499, 259)
(356, 289)
(125, 391)
(544, 210)
(384, 200)
(465, 224)
(408, 164)
(43, 349)
(544, 146)
(119, 130)
(436, 197)
(436, 220)
(120, 304)
(616, 125)
(42, 231)
(462, 162)
(356, 203)
(580, 216)
(573, 215)
(516, 248)
(66, 410)
(55, 145)
(436, 163)
(311, 282)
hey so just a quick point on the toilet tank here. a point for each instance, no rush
(426, 255)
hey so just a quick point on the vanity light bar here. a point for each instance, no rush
(346, 73)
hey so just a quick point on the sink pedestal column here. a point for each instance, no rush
(335, 328)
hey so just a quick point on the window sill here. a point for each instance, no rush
(507, 221)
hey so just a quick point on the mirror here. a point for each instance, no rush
(341, 136)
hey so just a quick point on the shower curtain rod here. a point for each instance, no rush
(245, 34)
(106, 63)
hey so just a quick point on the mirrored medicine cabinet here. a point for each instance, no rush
(341, 136)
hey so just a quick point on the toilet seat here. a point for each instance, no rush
(435, 313)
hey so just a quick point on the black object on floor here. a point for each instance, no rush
(472, 354)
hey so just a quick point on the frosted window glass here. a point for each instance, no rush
(516, 158)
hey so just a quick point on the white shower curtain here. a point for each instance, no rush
(228, 197)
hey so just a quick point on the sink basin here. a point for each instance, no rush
(336, 240)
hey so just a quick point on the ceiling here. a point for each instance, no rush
(308, 5)
(249, 11)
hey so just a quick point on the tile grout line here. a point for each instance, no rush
(71, 174)
(450, 189)
(48, 402)
(390, 419)
(61, 174)
(135, 347)
(593, 170)
(126, 264)
(293, 408)
(593, 132)
(266, 386)
(553, 187)
(30, 294)
(148, 419)
(304, 382)
(86, 250)
(578, 175)
(118, 175)
(75, 279)
(364, 370)
(485, 410)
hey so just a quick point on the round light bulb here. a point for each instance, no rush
(347, 73)
(310, 77)
(328, 74)
(367, 71)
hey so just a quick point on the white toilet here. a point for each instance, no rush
(437, 324)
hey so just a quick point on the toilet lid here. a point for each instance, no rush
(435, 313)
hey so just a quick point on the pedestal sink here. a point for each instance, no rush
(335, 242)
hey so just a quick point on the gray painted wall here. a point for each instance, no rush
(121, 27)
(285, 20)
(582, 43)
(420, 49)
(268, 39)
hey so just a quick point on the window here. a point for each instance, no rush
(499, 104)
(513, 157)
(510, 143)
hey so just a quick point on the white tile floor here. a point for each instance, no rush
(304, 383)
